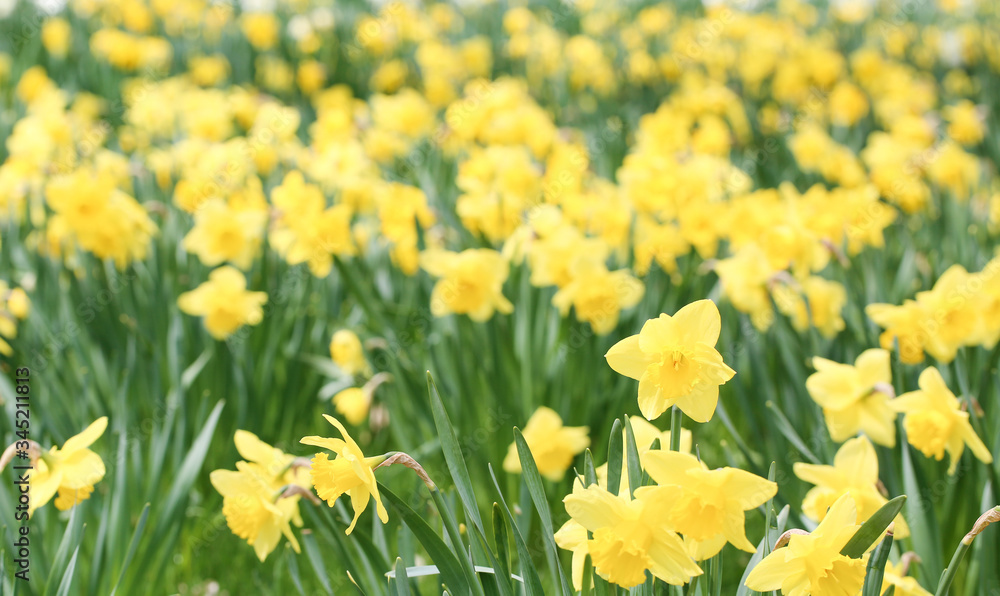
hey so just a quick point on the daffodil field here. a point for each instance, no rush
(500, 298)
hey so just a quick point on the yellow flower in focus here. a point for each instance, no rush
(56, 36)
(812, 564)
(597, 295)
(274, 464)
(856, 398)
(573, 537)
(347, 352)
(71, 471)
(471, 282)
(222, 234)
(255, 509)
(709, 509)
(855, 472)
(224, 302)
(645, 435)
(675, 360)
(629, 538)
(552, 445)
(935, 424)
(349, 472)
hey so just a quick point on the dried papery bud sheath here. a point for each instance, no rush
(294, 490)
(990, 517)
(884, 389)
(407, 461)
(784, 538)
(905, 560)
(34, 451)
(375, 381)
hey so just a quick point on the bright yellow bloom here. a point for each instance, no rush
(934, 422)
(253, 502)
(71, 471)
(552, 445)
(597, 295)
(856, 398)
(629, 538)
(902, 324)
(348, 353)
(573, 537)
(675, 360)
(224, 302)
(349, 472)
(855, 472)
(261, 29)
(812, 564)
(353, 404)
(471, 282)
(56, 36)
(709, 510)
(826, 300)
(254, 508)
(222, 234)
(645, 434)
(953, 314)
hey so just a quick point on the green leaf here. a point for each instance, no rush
(501, 540)
(67, 579)
(632, 459)
(316, 559)
(873, 529)
(534, 481)
(451, 568)
(132, 546)
(532, 583)
(615, 446)
(453, 455)
(293, 568)
(875, 570)
(70, 542)
(401, 583)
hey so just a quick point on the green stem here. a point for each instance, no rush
(949, 573)
(676, 424)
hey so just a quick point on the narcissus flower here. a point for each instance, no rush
(471, 282)
(552, 445)
(349, 472)
(598, 295)
(353, 404)
(856, 398)
(71, 471)
(222, 234)
(256, 500)
(855, 472)
(254, 508)
(675, 360)
(629, 538)
(812, 564)
(709, 509)
(934, 422)
(347, 352)
(224, 302)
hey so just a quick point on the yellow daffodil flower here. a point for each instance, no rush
(347, 353)
(935, 424)
(709, 510)
(552, 445)
(471, 282)
(224, 302)
(812, 564)
(675, 360)
(855, 472)
(629, 538)
(72, 471)
(349, 472)
(856, 398)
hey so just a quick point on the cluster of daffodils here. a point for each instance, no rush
(962, 309)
